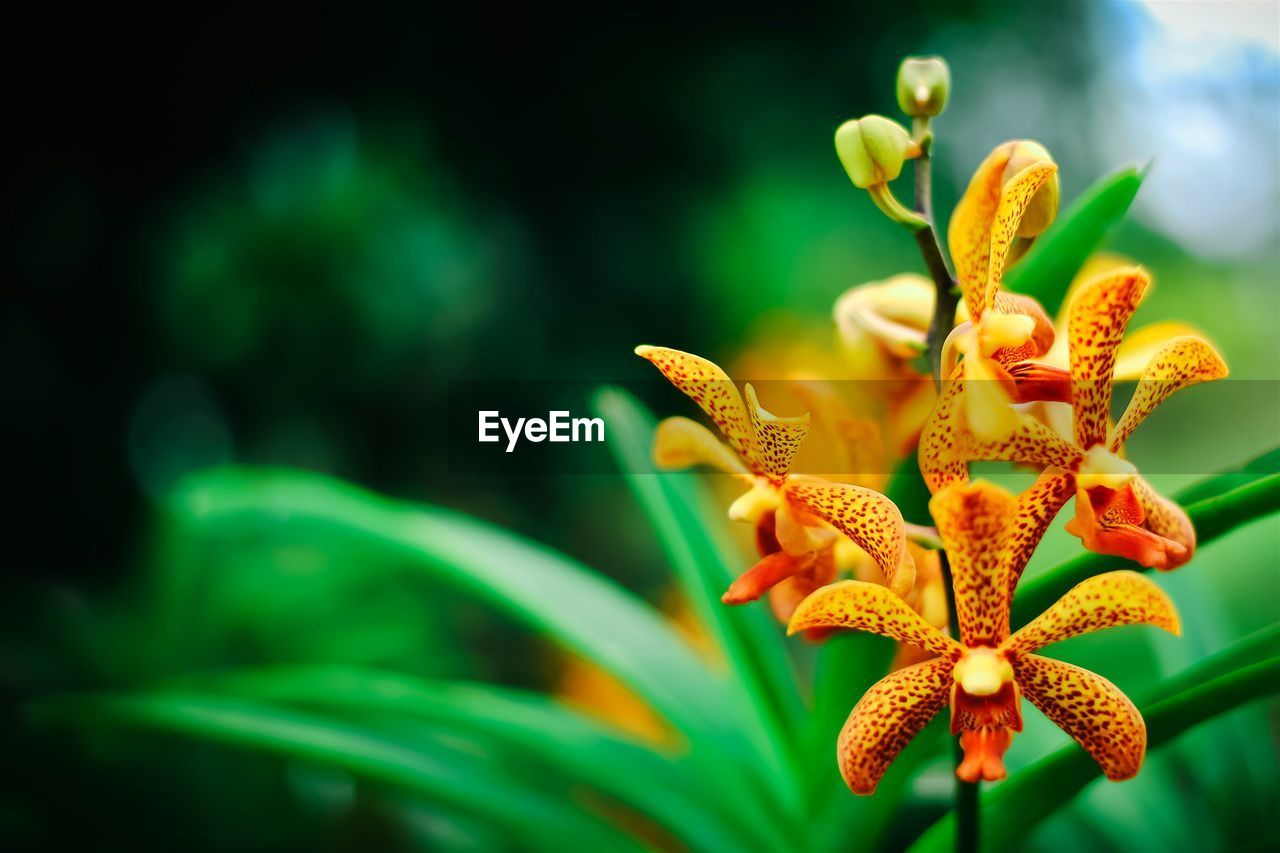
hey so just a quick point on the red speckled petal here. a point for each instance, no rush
(1181, 363)
(1102, 601)
(972, 519)
(887, 717)
(1097, 317)
(870, 607)
(870, 519)
(777, 439)
(1089, 708)
(710, 387)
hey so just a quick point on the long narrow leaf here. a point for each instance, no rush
(587, 613)
(448, 776)
(1047, 270)
(674, 792)
(675, 505)
(1212, 517)
(1255, 469)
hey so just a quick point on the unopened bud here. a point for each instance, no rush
(1043, 207)
(923, 85)
(873, 149)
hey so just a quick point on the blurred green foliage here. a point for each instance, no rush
(283, 260)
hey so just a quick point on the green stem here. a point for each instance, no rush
(944, 284)
(967, 794)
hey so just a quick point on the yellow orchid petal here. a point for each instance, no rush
(1091, 709)
(942, 441)
(682, 443)
(777, 439)
(1097, 317)
(1036, 508)
(1014, 199)
(887, 717)
(1140, 346)
(1015, 195)
(972, 519)
(870, 519)
(1102, 601)
(870, 607)
(710, 387)
(1167, 520)
(969, 232)
(947, 445)
(1180, 363)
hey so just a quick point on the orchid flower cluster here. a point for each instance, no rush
(1013, 385)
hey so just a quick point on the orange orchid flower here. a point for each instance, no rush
(1117, 511)
(1012, 197)
(989, 535)
(798, 519)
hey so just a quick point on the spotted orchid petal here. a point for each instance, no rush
(682, 443)
(887, 717)
(1102, 601)
(1096, 320)
(1089, 708)
(1015, 196)
(710, 387)
(1036, 508)
(868, 518)
(1140, 346)
(972, 519)
(947, 445)
(777, 439)
(1180, 363)
(870, 607)
(986, 220)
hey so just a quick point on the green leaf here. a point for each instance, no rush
(1212, 517)
(584, 611)
(468, 783)
(1215, 686)
(677, 794)
(1211, 487)
(1055, 258)
(677, 507)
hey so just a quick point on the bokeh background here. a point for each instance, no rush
(274, 237)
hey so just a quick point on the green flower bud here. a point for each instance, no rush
(873, 149)
(923, 85)
(1043, 208)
